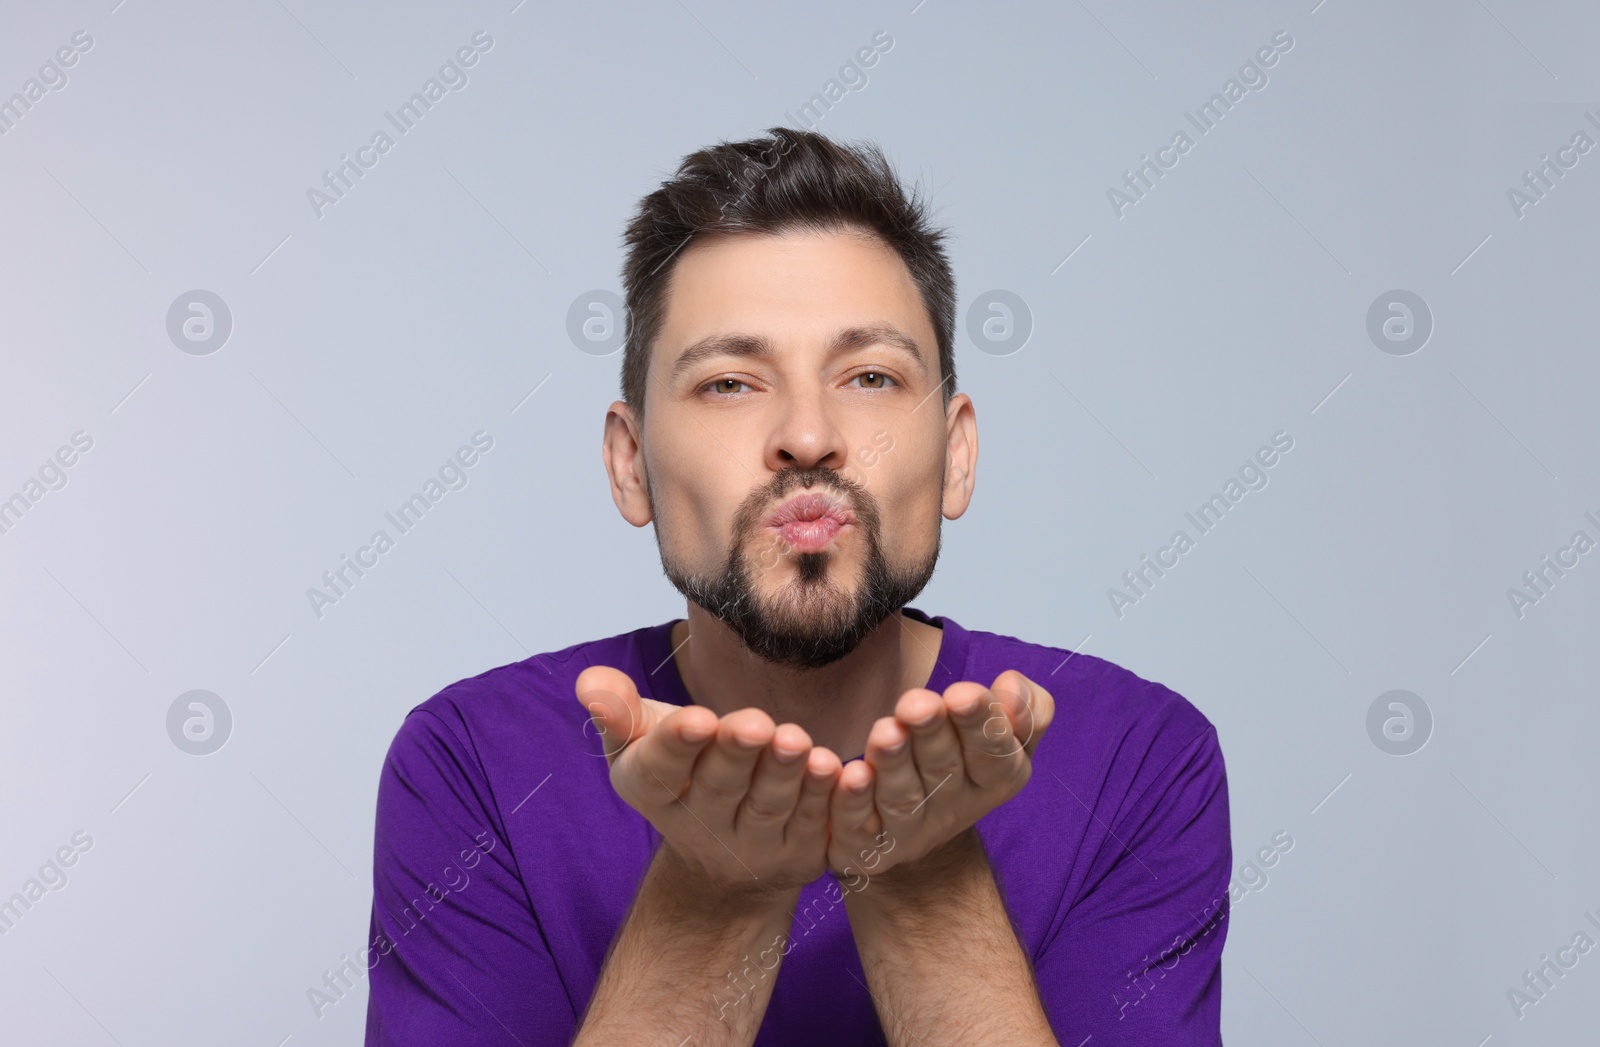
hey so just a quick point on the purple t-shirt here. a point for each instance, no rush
(504, 862)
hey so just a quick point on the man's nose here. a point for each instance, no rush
(806, 437)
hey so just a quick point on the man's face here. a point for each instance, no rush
(731, 437)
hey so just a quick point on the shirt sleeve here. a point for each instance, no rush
(456, 953)
(1138, 959)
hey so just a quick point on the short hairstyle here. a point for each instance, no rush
(789, 179)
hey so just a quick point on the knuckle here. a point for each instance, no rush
(630, 788)
(719, 789)
(808, 815)
(762, 809)
(901, 807)
(1004, 743)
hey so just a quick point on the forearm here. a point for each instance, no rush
(691, 963)
(940, 955)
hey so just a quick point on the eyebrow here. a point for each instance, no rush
(757, 347)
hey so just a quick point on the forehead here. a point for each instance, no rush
(799, 285)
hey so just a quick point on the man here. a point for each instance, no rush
(653, 838)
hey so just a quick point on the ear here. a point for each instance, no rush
(623, 453)
(961, 455)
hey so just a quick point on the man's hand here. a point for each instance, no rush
(742, 801)
(932, 770)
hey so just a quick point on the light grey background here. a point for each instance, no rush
(1167, 345)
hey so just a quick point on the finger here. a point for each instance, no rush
(1028, 705)
(853, 811)
(896, 787)
(616, 711)
(662, 762)
(935, 748)
(810, 815)
(722, 775)
(775, 784)
(992, 752)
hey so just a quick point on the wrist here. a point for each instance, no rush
(692, 894)
(945, 878)
(941, 867)
(920, 903)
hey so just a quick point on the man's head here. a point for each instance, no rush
(790, 319)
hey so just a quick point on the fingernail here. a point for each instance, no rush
(747, 743)
(788, 755)
(860, 787)
(896, 748)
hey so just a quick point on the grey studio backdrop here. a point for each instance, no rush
(223, 369)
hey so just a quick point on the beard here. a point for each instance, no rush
(815, 619)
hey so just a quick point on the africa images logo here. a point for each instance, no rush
(404, 518)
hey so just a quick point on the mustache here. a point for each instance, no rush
(857, 497)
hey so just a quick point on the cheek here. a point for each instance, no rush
(910, 505)
(698, 480)
(694, 512)
(694, 525)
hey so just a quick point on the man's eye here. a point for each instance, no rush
(721, 385)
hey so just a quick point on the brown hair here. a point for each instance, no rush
(790, 179)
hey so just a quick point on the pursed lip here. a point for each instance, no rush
(811, 505)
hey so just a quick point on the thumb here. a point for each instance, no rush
(615, 709)
(1029, 706)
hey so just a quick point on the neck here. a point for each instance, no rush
(836, 704)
